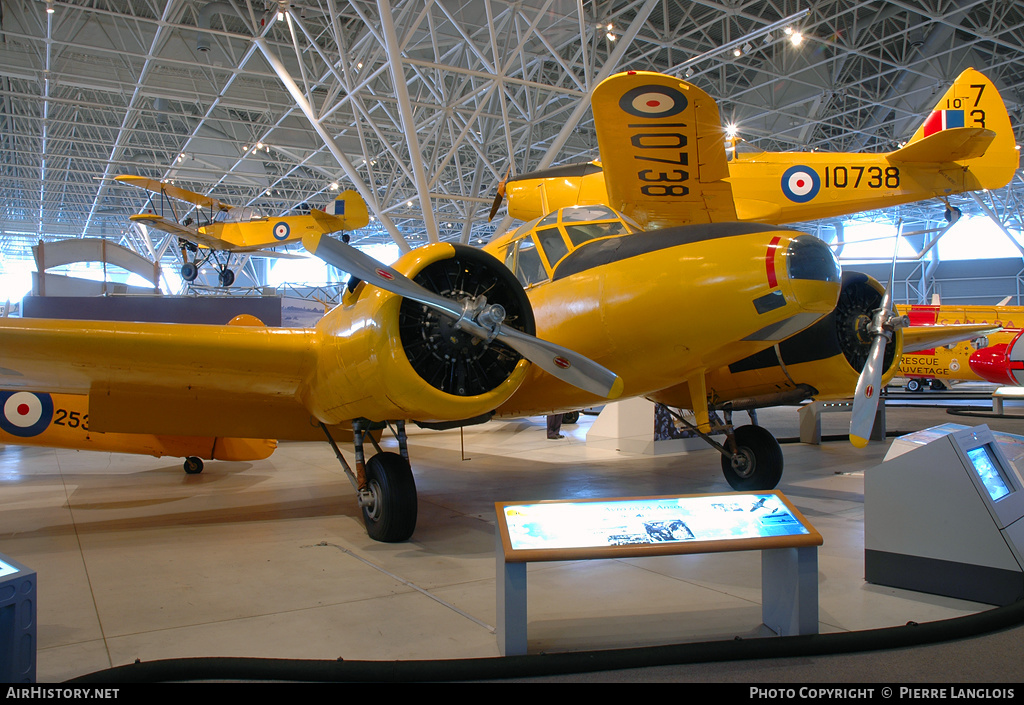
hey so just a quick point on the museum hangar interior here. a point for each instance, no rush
(424, 109)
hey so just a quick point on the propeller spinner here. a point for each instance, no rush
(475, 316)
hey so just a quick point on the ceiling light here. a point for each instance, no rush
(747, 48)
(689, 72)
(796, 38)
(736, 52)
(49, 8)
(334, 186)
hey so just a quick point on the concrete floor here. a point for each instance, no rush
(137, 560)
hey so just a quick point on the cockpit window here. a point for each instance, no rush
(554, 246)
(575, 214)
(579, 234)
(810, 258)
(523, 258)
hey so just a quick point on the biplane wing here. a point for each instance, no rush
(171, 191)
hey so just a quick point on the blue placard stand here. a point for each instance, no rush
(17, 622)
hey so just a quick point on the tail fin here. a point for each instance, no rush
(350, 207)
(968, 125)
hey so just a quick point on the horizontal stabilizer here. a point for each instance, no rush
(950, 145)
(916, 338)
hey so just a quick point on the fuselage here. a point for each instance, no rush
(660, 307)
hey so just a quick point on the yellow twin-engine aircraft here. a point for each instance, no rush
(220, 229)
(664, 162)
(62, 421)
(447, 336)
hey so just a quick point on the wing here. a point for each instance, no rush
(200, 237)
(663, 150)
(168, 379)
(172, 191)
(917, 338)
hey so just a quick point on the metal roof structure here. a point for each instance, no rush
(423, 106)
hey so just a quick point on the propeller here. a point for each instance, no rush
(475, 316)
(499, 195)
(884, 322)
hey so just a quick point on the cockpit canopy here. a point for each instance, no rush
(535, 248)
(242, 214)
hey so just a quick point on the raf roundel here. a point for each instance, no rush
(25, 414)
(653, 102)
(800, 184)
(281, 231)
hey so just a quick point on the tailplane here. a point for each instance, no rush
(968, 125)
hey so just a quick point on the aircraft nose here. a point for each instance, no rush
(810, 258)
(814, 273)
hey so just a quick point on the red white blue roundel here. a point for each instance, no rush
(800, 184)
(653, 101)
(281, 231)
(25, 414)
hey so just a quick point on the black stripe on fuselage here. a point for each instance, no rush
(560, 172)
(615, 249)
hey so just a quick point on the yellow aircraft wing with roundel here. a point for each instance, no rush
(663, 150)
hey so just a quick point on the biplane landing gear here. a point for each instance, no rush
(385, 487)
(226, 277)
(189, 271)
(757, 462)
(193, 465)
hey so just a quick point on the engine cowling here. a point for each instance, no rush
(823, 361)
(386, 357)
(1002, 363)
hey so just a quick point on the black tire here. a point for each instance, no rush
(757, 464)
(193, 465)
(571, 417)
(392, 516)
(189, 271)
(913, 385)
(938, 385)
(226, 277)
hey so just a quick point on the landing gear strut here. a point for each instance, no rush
(385, 487)
(751, 457)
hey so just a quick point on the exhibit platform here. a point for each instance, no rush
(138, 561)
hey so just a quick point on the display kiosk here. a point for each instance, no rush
(17, 622)
(636, 527)
(942, 514)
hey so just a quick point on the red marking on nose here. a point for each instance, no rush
(22, 409)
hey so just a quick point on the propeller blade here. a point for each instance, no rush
(865, 399)
(362, 266)
(477, 318)
(499, 195)
(563, 363)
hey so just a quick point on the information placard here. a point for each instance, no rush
(639, 526)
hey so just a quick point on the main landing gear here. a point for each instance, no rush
(384, 484)
(751, 457)
(190, 270)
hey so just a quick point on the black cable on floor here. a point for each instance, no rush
(534, 665)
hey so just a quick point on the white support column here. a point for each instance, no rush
(405, 110)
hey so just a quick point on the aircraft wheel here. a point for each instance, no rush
(937, 385)
(193, 465)
(226, 277)
(571, 417)
(757, 464)
(390, 516)
(189, 271)
(913, 385)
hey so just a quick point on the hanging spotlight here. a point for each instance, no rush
(747, 48)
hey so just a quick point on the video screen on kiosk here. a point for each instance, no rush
(989, 472)
(7, 569)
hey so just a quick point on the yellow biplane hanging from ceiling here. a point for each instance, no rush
(211, 230)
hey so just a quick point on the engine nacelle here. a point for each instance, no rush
(1002, 363)
(386, 357)
(823, 361)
